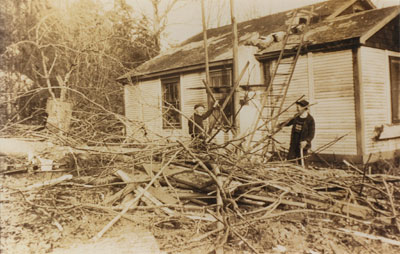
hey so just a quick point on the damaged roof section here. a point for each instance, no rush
(351, 28)
(323, 29)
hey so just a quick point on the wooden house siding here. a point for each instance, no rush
(376, 92)
(334, 93)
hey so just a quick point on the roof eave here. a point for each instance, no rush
(132, 79)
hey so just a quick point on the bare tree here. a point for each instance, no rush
(160, 18)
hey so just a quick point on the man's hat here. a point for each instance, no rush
(198, 105)
(302, 103)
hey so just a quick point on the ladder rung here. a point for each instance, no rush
(282, 74)
(275, 95)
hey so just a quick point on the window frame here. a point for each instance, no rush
(220, 73)
(222, 90)
(166, 84)
(394, 92)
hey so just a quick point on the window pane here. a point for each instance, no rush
(171, 103)
(395, 88)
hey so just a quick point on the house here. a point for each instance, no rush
(349, 68)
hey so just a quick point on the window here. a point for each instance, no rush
(395, 87)
(220, 78)
(171, 103)
(221, 84)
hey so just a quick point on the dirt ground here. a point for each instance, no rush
(27, 226)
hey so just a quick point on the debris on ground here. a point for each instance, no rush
(193, 201)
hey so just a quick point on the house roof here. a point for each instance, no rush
(191, 52)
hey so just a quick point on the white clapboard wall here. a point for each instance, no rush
(375, 83)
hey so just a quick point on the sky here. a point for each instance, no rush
(185, 20)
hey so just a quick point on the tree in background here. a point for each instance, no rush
(73, 54)
(160, 19)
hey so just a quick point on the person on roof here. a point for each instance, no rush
(196, 127)
(303, 132)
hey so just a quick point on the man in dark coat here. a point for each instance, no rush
(196, 127)
(303, 131)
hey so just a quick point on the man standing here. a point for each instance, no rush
(196, 127)
(303, 132)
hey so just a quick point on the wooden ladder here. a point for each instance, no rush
(274, 97)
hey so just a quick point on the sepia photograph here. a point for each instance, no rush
(200, 126)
